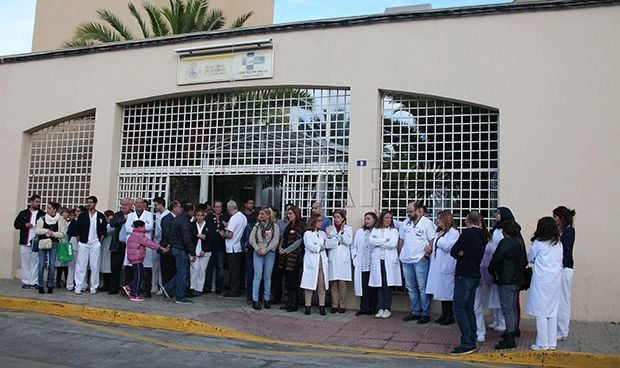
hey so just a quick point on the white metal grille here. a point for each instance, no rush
(61, 161)
(441, 153)
(291, 132)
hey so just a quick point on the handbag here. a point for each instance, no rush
(527, 278)
(34, 244)
(45, 244)
(65, 251)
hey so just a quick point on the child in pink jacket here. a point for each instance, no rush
(136, 249)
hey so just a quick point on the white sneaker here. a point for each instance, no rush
(386, 314)
(552, 348)
(493, 325)
(93, 291)
(562, 338)
(78, 291)
(379, 314)
(539, 348)
(499, 329)
(480, 338)
(159, 292)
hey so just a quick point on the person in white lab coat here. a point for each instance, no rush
(385, 266)
(544, 295)
(360, 253)
(338, 244)
(316, 272)
(440, 282)
(141, 213)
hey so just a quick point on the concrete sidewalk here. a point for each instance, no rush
(345, 330)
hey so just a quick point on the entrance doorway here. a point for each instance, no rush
(266, 190)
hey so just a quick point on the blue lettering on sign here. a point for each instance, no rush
(361, 162)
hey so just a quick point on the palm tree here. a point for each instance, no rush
(182, 16)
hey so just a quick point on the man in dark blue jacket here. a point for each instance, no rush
(91, 229)
(26, 222)
(468, 252)
(183, 249)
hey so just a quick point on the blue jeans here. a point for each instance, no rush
(263, 266)
(463, 305)
(51, 267)
(416, 275)
(508, 301)
(179, 282)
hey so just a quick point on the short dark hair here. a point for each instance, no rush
(160, 200)
(34, 196)
(474, 218)
(511, 228)
(188, 207)
(55, 205)
(546, 229)
(92, 198)
(173, 205)
(108, 213)
(138, 223)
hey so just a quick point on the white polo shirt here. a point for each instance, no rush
(415, 238)
(236, 225)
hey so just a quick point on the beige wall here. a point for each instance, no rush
(56, 20)
(552, 75)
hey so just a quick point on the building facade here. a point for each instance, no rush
(462, 109)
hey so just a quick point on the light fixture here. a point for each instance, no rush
(230, 45)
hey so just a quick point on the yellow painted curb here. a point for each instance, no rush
(559, 359)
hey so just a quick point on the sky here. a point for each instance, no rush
(17, 16)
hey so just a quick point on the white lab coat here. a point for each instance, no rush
(360, 253)
(383, 243)
(149, 226)
(104, 260)
(339, 253)
(441, 272)
(544, 295)
(314, 243)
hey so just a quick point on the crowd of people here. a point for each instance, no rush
(181, 251)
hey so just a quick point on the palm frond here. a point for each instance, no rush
(158, 25)
(76, 42)
(115, 23)
(240, 20)
(136, 14)
(96, 32)
(214, 20)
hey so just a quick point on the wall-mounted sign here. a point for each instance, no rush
(249, 64)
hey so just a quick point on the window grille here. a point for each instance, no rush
(61, 161)
(441, 153)
(298, 133)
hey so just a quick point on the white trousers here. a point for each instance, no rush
(546, 331)
(566, 289)
(29, 266)
(156, 271)
(88, 255)
(198, 271)
(498, 319)
(481, 301)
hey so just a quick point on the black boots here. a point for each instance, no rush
(256, 305)
(322, 310)
(41, 290)
(307, 311)
(50, 290)
(267, 304)
(508, 342)
(447, 315)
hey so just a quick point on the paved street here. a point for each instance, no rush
(33, 340)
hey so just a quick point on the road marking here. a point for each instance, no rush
(557, 358)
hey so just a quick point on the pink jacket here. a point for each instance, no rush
(136, 244)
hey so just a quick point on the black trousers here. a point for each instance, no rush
(168, 267)
(235, 261)
(292, 286)
(116, 265)
(277, 276)
(216, 263)
(368, 301)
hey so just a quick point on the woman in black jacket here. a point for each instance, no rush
(506, 266)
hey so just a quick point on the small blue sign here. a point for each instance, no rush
(361, 163)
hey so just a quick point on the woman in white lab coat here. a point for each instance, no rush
(338, 245)
(440, 282)
(360, 253)
(544, 295)
(315, 275)
(385, 266)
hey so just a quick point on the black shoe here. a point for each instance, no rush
(517, 333)
(292, 309)
(359, 313)
(41, 290)
(439, 320)
(24, 286)
(183, 301)
(448, 321)
(196, 294)
(267, 304)
(285, 307)
(322, 311)
(333, 310)
(112, 292)
(256, 306)
(307, 311)
(232, 295)
(411, 317)
(423, 320)
(462, 350)
(507, 343)
(208, 291)
(50, 290)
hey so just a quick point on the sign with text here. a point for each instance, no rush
(249, 64)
